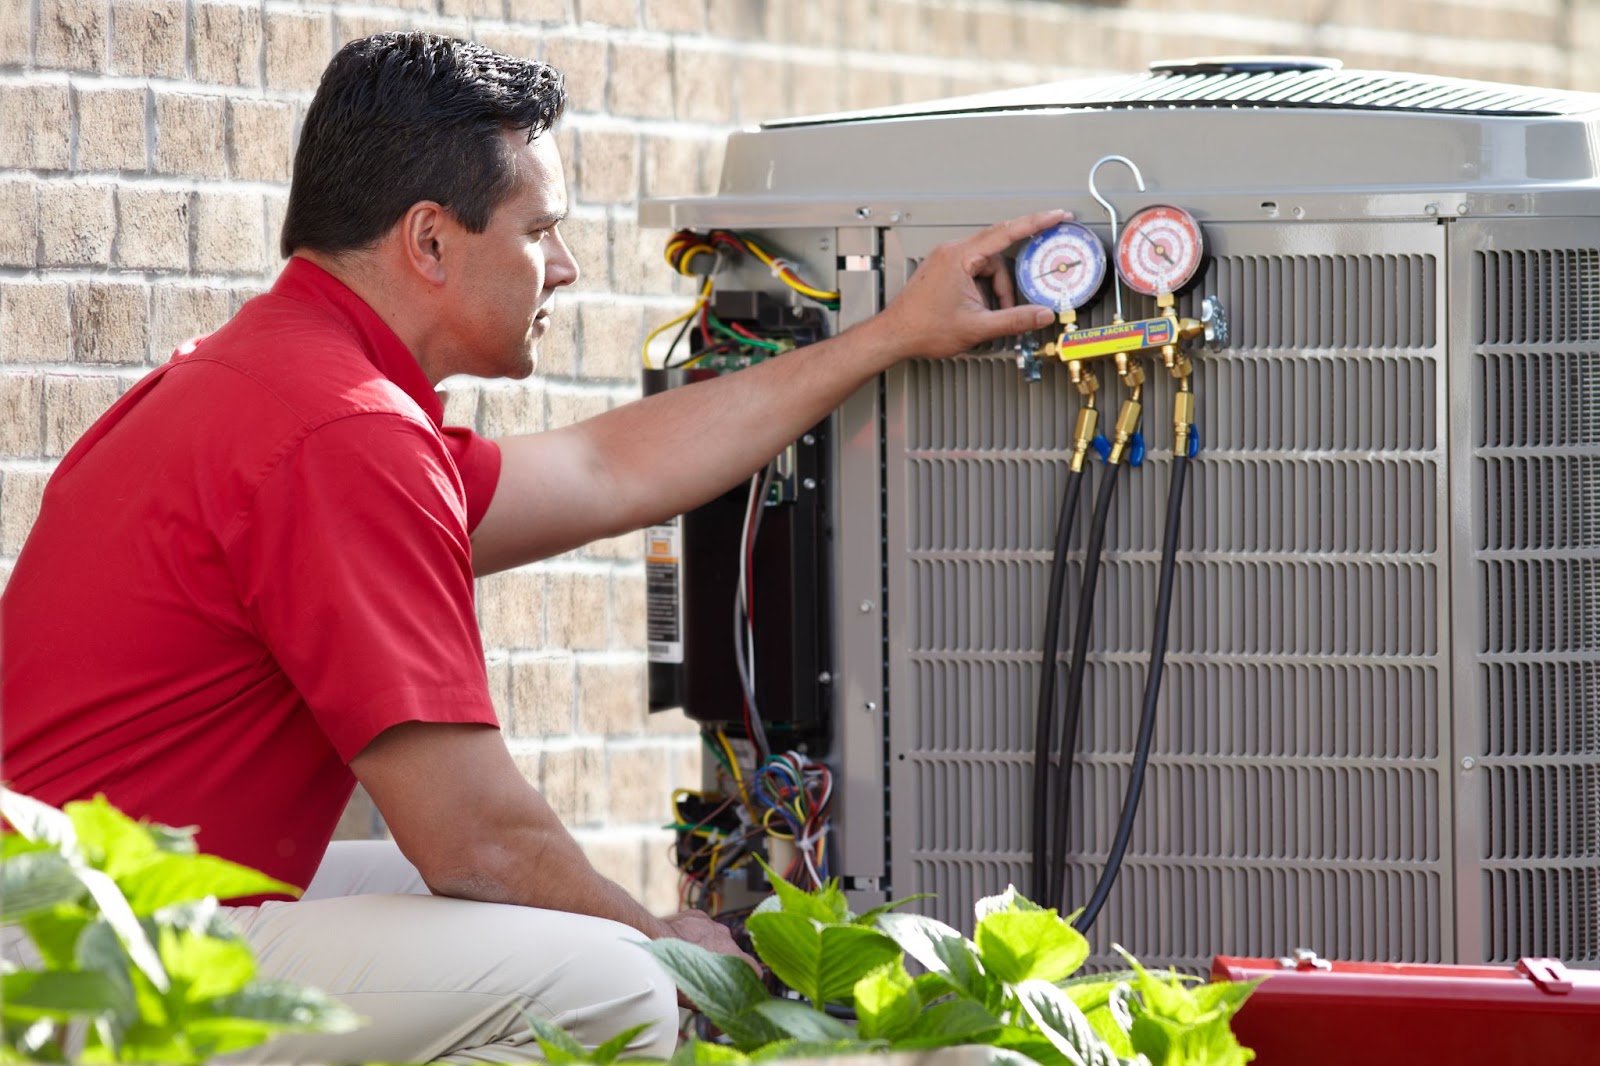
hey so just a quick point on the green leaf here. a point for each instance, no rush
(289, 1007)
(886, 1001)
(799, 1022)
(27, 995)
(38, 822)
(872, 916)
(1009, 901)
(206, 967)
(955, 1021)
(36, 881)
(789, 1050)
(115, 910)
(1063, 1024)
(702, 1053)
(55, 933)
(825, 905)
(167, 878)
(942, 950)
(1029, 945)
(607, 1053)
(558, 1045)
(724, 988)
(821, 963)
(110, 840)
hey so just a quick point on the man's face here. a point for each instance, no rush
(503, 285)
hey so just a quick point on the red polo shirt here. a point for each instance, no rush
(250, 566)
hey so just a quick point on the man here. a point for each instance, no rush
(250, 584)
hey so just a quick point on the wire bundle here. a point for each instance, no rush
(796, 792)
(704, 255)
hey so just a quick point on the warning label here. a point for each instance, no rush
(663, 576)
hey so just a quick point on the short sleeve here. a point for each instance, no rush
(354, 566)
(478, 459)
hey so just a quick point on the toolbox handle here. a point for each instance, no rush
(1549, 974)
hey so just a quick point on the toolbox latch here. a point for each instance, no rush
(1549, 974)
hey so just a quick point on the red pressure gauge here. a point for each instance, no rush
(1159, 250)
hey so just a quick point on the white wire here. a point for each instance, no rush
(744, 643)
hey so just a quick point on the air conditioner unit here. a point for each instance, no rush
(1380, 728)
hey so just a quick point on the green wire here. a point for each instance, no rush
(740, 338)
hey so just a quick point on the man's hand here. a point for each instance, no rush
(698, 928)
(942, 312)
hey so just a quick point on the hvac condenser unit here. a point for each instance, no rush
(1380, 728)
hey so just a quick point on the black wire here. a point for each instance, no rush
(1152, 691)
(1067, 746)
(666, 360)
(1044, 717)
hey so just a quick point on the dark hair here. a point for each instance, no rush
(403, 117)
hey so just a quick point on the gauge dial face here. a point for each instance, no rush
(1062, 268)
(1159, 250)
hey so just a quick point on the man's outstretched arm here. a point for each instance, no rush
(668, 453)
(465, 817)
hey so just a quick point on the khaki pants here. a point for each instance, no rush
(446, 980)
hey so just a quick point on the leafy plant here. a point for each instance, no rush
(1010, 988)
(124, 917)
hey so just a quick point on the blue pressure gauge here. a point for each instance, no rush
(1062, 268)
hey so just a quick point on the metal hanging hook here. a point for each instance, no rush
(1103, 202)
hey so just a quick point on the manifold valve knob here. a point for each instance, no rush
(1215, 321)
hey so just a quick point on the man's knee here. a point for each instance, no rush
(614, 985)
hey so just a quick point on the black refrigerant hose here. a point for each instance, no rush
(1152, 692)
(1049, 653)
(1067, 747)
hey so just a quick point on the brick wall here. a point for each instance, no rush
(144, 159)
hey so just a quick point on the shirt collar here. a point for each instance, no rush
(305, 282)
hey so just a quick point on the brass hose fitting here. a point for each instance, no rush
(1127, 426)
(1182, 418)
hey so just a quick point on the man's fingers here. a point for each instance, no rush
(1013, 320)
(1002, 235)
(1004, 287)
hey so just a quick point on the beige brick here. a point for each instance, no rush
(524, 44)
(618, 859)
(240, 295)
(460, 398)
(152, 229)
(586, 238)
(21, 415)
(567, 148)
(71, 404)
(611, 698)
(182, 313)
(542, 696)
(147, 37)
(640, 789)
(260, 139)
(19, 237)
(226, 41)
(360, 820)
(539, 10)
(573, 781)
(739, 19)
(483, 9)
(33, 323)
(71, 34)
(583, 62)
(623, 14)
(511, 609)
(910, 87)
(951, 29)
(298, 46)
(497, 669)
(661, 877)
(675, 16)
(21, 493)
(566, 408)
(641, 81)
(629, 547)
(189, 135)
(349, 27)
(864, 88)
(277, 208)
(608, 166)
(703, 86)
(110, 322)
(558, 349)
(511, 409)
(229, 233)
(636, 263)
(577, 611)
(527, 764)
(674, 723)
(35, 127)
(763, 90)
(611, 335)
(16, 32)
(672, 166)
(905, 27)
(76, 224)
(111, 129)
(628, 612)
(817, 88)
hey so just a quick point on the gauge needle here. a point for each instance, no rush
(1161, 249)
(1062, 268)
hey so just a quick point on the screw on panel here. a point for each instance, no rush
(809, 483)
(1468, 762)
(824, 678)
(863, 212)
(870, 705)
(808, 439)
(1461, 209)
(1431, 209)
(866, 606)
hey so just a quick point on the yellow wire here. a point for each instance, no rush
(785, 276)
(644, 353)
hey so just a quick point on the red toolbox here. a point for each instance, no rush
(1311, 1012)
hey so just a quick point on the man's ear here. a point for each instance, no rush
(424, 233)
